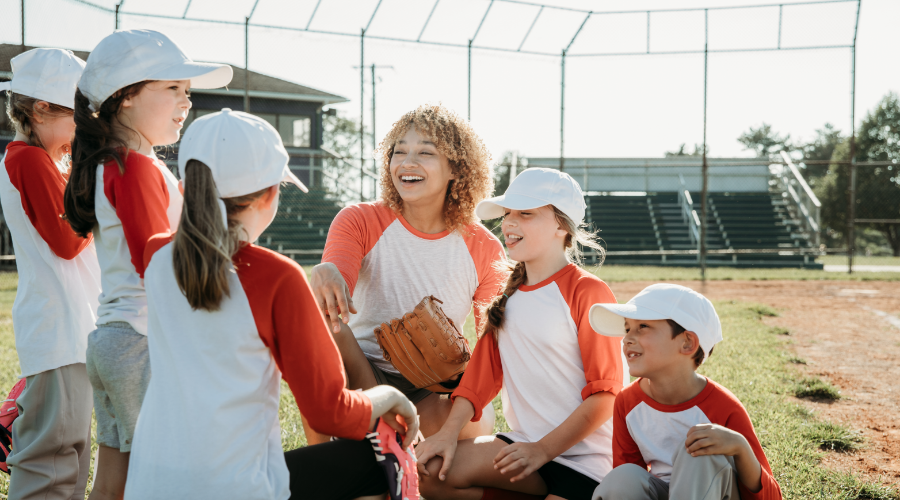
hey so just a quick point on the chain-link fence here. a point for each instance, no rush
(568, 56)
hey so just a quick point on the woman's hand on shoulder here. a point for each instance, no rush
(442, 444)
(332, 294)
(527, 457)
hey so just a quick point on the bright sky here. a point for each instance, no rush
(616, 106)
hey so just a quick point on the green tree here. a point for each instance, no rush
(765, 142)
(820, 149)
(877, 187)
(698, 151)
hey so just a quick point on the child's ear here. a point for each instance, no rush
(181, 187)
(691, 343)
(265, 201)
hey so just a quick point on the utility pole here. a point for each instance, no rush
(117, 15)
(373, 67)
(23, 26)
(469, 94)
(851, 213)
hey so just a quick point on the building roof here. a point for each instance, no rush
(260, 85)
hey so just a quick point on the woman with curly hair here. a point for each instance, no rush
(422, 238)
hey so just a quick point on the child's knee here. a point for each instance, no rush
(625, 482)
(431, 484)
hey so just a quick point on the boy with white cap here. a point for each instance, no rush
(694, 435)
(227, 320)
(134, 95)
(59, 281)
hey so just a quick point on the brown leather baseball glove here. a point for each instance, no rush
(425, 347)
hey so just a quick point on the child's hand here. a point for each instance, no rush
(712, 439)
(526, 456)
(443, 445)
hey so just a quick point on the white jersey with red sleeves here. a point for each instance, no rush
(648, 433)
(130, 207)
(208, 427)
(59, 279)
(390, 266)
(546, 361)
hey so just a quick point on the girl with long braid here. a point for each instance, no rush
(558, 379)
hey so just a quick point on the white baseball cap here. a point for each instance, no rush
(47, 75)
(691, 310)
(533, 188)
(132, 56)
(244, 152)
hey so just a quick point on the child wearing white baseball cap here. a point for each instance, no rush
(227, 320)
(558, 379)
(694, 434)
(133, 96)
(59, 281)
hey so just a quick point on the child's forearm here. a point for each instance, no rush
(590, 414)
(748, 469)
(461, 413)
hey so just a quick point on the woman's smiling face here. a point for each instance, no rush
(418, 170)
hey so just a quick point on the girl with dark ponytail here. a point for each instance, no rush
(133, 95)
(558, 378)
(227, 321)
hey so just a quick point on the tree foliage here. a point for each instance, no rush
(765, 142)
(877, 187)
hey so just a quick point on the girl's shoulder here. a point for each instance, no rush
(257, 260)
(20, 153)
(583, 285)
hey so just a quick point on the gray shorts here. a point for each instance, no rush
(118, 365)
(400, 383)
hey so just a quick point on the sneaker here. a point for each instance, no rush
(399, 465)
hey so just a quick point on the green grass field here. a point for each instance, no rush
(753, 362)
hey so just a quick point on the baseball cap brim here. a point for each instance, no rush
(290, 177)
(608, 319)
(201, 75)
(497, 206)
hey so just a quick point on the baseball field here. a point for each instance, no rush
(812, 355)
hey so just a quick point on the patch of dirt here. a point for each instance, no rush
(834, 328)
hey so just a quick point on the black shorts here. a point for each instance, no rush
(337, 470)
(563, 481)
(400, 383)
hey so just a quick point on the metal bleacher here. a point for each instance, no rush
(301, 224)
(654, 221)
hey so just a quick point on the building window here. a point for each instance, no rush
(302, 127)
(296, 131)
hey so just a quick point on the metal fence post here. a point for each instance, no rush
(562, 113)
(851, 209)
(469, 93)
(362, 129)
(117, 16)
(23, 25)
(247, 64)
(705, 169)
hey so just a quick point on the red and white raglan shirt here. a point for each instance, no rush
(648, 433)
(546, 361)
(390, 267)
(130, 207)
(59, 280)
(208, 427)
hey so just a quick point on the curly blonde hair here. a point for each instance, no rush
(469, 160)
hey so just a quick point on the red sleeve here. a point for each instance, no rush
(600, 355)
(352, 235)
(488, 255)
(483, 378)
(41, 186)
(140, 198)
(156, 242)
(625, 450)
(725, 409)
(291, 325)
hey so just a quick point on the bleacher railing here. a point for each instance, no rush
(688, 214)
(801, 195)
